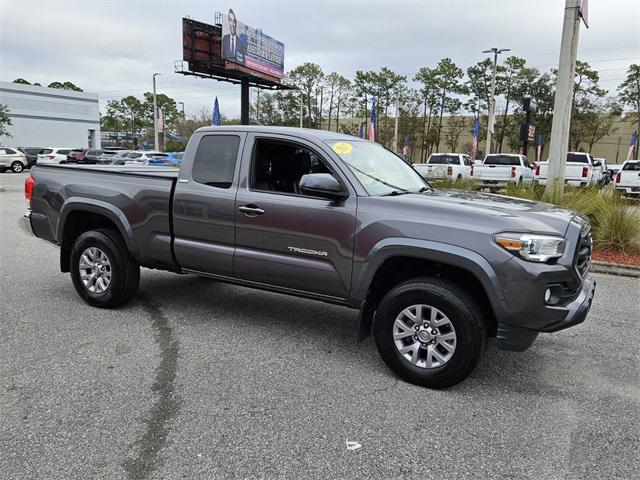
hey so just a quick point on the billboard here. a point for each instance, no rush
(251, 48)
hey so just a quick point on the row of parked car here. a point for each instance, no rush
(17, 159)
(498, 170)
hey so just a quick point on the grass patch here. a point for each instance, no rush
(461, 184)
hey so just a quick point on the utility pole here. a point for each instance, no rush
(561, 124)
(492, 99)
(395, 129)
(156, 144)
(301, 103)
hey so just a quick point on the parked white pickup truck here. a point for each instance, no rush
(452, 166)
(499, 169)
(581, 170)
(628, 178)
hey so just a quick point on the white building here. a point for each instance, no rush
(50, 117)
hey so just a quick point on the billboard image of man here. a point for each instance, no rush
(234, 46)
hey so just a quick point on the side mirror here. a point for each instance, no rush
(322, 185)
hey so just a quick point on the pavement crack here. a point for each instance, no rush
(167, 404)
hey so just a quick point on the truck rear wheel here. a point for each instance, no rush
(430, 332)
(103, 272)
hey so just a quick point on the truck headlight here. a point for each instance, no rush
(535, 248)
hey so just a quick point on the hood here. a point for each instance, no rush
(484, 211)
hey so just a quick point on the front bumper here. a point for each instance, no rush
(518, 338)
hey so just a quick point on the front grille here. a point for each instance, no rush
(583, 255)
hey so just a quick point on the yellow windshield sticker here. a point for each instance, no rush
(342, 148)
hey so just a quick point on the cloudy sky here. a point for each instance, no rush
(112, 47)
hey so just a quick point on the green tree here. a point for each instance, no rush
(448, 79)
(21, 81)
(456, 124)
(169, 109)
(629, 94)
(65, 86)
(429, 99)
(308, 79)
(508, 77)
(5, 121)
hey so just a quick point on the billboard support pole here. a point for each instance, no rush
(244, 102)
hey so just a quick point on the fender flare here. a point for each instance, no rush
(117, 216)
(444, 253)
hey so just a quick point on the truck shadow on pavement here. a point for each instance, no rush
(197, 301)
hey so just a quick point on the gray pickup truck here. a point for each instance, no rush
(330, 217)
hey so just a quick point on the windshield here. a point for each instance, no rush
(502, 160)
(379, 171)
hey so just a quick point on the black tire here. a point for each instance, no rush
(457, 305)
(17, 167)
(125, 271)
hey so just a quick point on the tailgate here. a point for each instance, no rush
(501, 173)
(630, 178)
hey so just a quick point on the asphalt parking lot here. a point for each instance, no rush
(200, 380)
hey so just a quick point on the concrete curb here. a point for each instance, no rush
(616, 269)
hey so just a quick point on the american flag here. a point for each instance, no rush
(160, 119)
(405, 146)
(215, 118)
(634, 140)
(476, 135)
(372, 125)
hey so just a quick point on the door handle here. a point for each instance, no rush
(250, 210)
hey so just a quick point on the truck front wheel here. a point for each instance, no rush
(103, 272)
(430, 332)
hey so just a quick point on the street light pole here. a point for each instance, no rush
(156, 143)
(182, 107)
(492, 99)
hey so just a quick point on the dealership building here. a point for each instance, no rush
(50, 117)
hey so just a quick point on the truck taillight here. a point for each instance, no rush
(450, 170)
(585, 172)
(537, 170)
(29, 184)
(52, 157)
(513, 172)
(618, 176)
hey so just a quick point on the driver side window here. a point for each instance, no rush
(278, 166)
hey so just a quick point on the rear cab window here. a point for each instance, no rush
(443, 160)
(46, 151)
(215, 161)
(511, 160)
(633, 166)
(577, 158)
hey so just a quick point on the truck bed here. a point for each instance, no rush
(137, 200)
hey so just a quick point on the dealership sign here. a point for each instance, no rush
(251, 48)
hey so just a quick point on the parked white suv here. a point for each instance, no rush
(141, 157)
(12, 159)
(452, 166)
(51, 155)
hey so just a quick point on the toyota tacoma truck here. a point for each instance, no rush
(316, 214)
(500, 169)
